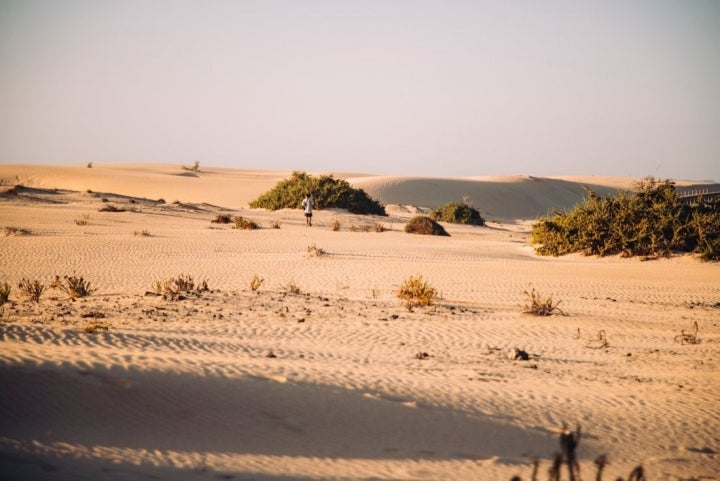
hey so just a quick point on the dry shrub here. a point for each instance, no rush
(245, 224)
(142, 233)
(414, 291)
(256, 282)
(336, 225)
(222, 219)
(275, 224)
(424, 225)
(292, 288)
(379, 227)
(4, 293)
(73, 286)
(315, 251)
(177, 288)
(539, 306)
(95, 326)
(688, 336)
(111, 208)
(83, 220)
(15, 231)
(31, 289)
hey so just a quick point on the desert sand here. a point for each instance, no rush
(322, 373)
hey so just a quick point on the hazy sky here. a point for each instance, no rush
(442, 88)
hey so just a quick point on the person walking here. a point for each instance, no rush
(308, 203)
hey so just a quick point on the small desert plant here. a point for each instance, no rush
(256, 282)
(335, 225)
(83, 220)
(292, 288)
(177, 287)
(315, 251)
(142, 233)
(222, 219)
(31, 289)
(73, 286)
(600, 341)
(688, 336)
(457, 213)
(89, 165)
(424, 225)
(379, 227)
(194, 168)
(95, 326)
(111, 208)
(245, 224)
(540, 307)
(414, 291)
(13, 231)
(275, 224)
(4, 293)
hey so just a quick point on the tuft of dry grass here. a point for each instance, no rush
(222, 219)
(245, 224)
(379, 227)
(292, 288)
(31, 289)
(111, 208)
(96, 326)
(335, 225)
(73, 286)
(275, 224)
(415, 291)
(83, 220)
(689, 336)
(256, 282)
(4, 293)
(177, 288)
(15, 231)
(315, 251)
(142, 233)
(540, 307)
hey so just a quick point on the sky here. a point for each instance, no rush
(430, 88)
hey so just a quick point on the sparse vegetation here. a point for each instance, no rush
(177, 288)
(315, 251)
(31, 289)
(326, 190)
(195, 167)
(142, 233)
(89, 165)
(4, 293)
(15, 231)
(111, 208)
(275, 224)
(540, 307)
(688, 336)
(96, 326)
(83, 220)
(650, 222)
(457, 213)
(222, 219)
(292, 288)
(256, 282)
(379, 227)
(335, 225)
(424, 225)
(415, 291)
(245, 224)
(73, 286)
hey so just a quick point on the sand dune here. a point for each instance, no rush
(339, 380)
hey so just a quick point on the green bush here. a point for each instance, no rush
(457, 213)
(326, 191)
(424, 225)
(650, 222)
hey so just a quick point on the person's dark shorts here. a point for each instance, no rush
(308, 214)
